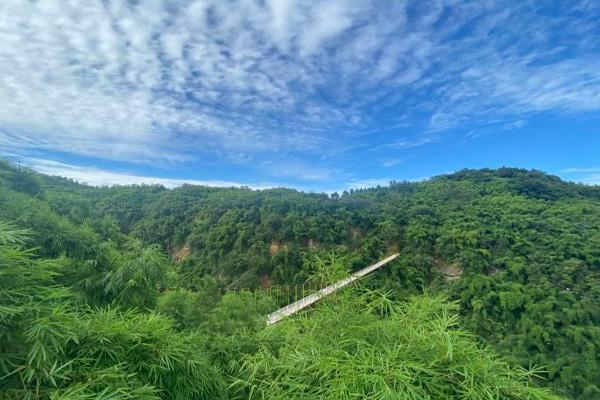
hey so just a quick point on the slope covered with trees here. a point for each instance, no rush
(124, 289)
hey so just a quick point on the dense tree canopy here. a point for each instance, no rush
(140, 291)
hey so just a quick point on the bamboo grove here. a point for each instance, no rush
(143, 292)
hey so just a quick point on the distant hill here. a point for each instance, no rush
(519, 250)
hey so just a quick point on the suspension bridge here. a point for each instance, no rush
(304, 302)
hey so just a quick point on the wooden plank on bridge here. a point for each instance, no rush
(304, 302)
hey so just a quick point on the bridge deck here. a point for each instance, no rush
(304, 302)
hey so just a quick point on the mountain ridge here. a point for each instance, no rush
(520, 239)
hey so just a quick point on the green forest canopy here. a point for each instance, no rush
(119, 292)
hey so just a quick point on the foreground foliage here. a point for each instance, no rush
(519, 251)
(53, 347)
(344, 350)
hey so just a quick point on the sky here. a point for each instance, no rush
(315, 95)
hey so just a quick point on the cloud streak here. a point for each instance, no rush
(101, 177)
(590, 175)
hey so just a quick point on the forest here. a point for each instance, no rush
(143, 292)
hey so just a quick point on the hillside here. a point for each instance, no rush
(517, 250)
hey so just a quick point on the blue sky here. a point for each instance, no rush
(320, 96)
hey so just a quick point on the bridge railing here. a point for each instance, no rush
(281, 295)
(288, 299)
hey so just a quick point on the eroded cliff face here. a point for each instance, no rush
(182, 253)
(276, 246)
(450, 272)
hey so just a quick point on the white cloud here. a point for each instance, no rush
(141, 83)
(592, 179)
(164, 82)
(588, 175)
(100, 177)
(292, 168)
(577, 170)
(327, 20)
(391, 162)
(412, 142)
